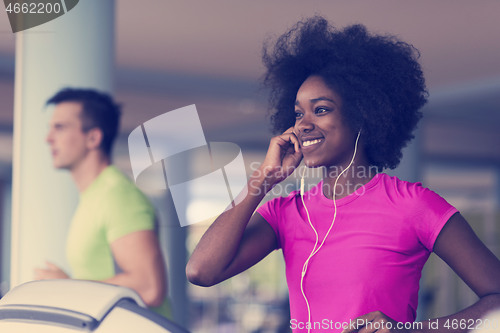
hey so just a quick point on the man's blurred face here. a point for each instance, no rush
(67, 140)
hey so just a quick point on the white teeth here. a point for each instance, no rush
(311, 142)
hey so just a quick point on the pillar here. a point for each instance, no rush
(75, 49)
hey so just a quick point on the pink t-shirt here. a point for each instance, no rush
(372, 258)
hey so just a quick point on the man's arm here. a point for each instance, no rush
(51, 271)
(139, 256)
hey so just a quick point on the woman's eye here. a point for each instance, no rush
(298, 115)
(320, 110)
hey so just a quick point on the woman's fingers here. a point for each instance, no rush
(283, 156)
(292, 138)
(290, 159)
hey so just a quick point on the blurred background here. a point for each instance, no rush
(169, 54)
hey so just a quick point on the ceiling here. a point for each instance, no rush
(174, 53)
(459, 40)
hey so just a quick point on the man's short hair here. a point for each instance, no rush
(98, 111)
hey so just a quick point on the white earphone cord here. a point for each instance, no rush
(314, 250)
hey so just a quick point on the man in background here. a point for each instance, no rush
(112, 234)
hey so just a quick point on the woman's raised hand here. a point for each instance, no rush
(282, 158)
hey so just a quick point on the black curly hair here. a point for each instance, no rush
(378, 77)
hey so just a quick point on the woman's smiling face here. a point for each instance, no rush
(325, 139)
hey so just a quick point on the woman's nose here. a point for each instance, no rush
(305, 124)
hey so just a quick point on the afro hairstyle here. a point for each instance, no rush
(378, 78)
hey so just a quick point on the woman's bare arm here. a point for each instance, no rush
(238, 238)
(476, 265)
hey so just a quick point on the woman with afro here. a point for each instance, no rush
(355, 244)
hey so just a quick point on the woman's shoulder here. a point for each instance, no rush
(405, 190)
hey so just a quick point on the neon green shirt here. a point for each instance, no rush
(111, 207)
